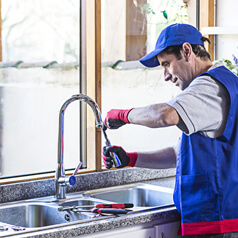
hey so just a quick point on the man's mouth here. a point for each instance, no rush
(175, 80)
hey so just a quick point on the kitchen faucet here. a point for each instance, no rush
(63, 181)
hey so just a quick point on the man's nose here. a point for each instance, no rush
(167, 75)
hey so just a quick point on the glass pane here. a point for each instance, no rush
(40, 30)
(130, 27)
(32, 95)
(129, 30)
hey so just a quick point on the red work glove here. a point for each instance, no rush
(127, 159)
(116, 118)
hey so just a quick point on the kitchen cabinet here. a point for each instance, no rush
(125, 233)
(168, 230)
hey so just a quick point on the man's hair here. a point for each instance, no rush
(198, 50)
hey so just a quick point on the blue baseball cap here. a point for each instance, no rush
(175, 34)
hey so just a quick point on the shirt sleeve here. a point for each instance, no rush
(203, 107)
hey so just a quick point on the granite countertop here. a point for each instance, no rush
(93, 181)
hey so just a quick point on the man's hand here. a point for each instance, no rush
(116, 118)
(127, 159)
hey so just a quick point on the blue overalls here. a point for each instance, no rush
(206, 189)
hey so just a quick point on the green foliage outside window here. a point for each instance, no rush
(233, 67)
(160, 14)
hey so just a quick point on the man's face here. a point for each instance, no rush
(177, 71)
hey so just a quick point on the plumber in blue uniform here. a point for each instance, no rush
(206, 111)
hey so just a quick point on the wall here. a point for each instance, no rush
(226, 17)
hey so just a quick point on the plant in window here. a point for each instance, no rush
(165, 14)
(232, 67)
(235, 60)
(147, 8)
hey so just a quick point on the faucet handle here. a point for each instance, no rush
(78, 167)
(67, 180)
(71, 180)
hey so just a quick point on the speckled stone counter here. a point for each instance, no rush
(41, 188)
(46, 187)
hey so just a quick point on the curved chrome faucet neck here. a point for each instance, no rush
(61, 182)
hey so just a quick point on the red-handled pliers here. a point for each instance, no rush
(115, 208)
(111, 211)
(115, 205)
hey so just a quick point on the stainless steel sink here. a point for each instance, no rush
(141, 195)
(42, 212)
(38, 215)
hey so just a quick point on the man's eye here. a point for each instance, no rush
(165, 64)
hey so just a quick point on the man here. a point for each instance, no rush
(206, 111)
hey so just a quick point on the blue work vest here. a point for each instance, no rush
(206, 189)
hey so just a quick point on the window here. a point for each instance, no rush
(130, 28)
(40, 40)
(129, 31)
(35, 31)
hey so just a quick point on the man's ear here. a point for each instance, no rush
(186, 50)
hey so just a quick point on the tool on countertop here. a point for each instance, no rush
(113, 211)
(105, 211)
(115, 205)
(114, 156)
(105, 205)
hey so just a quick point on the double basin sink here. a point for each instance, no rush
(46, 212)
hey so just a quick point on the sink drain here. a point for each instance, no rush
(67, 217)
